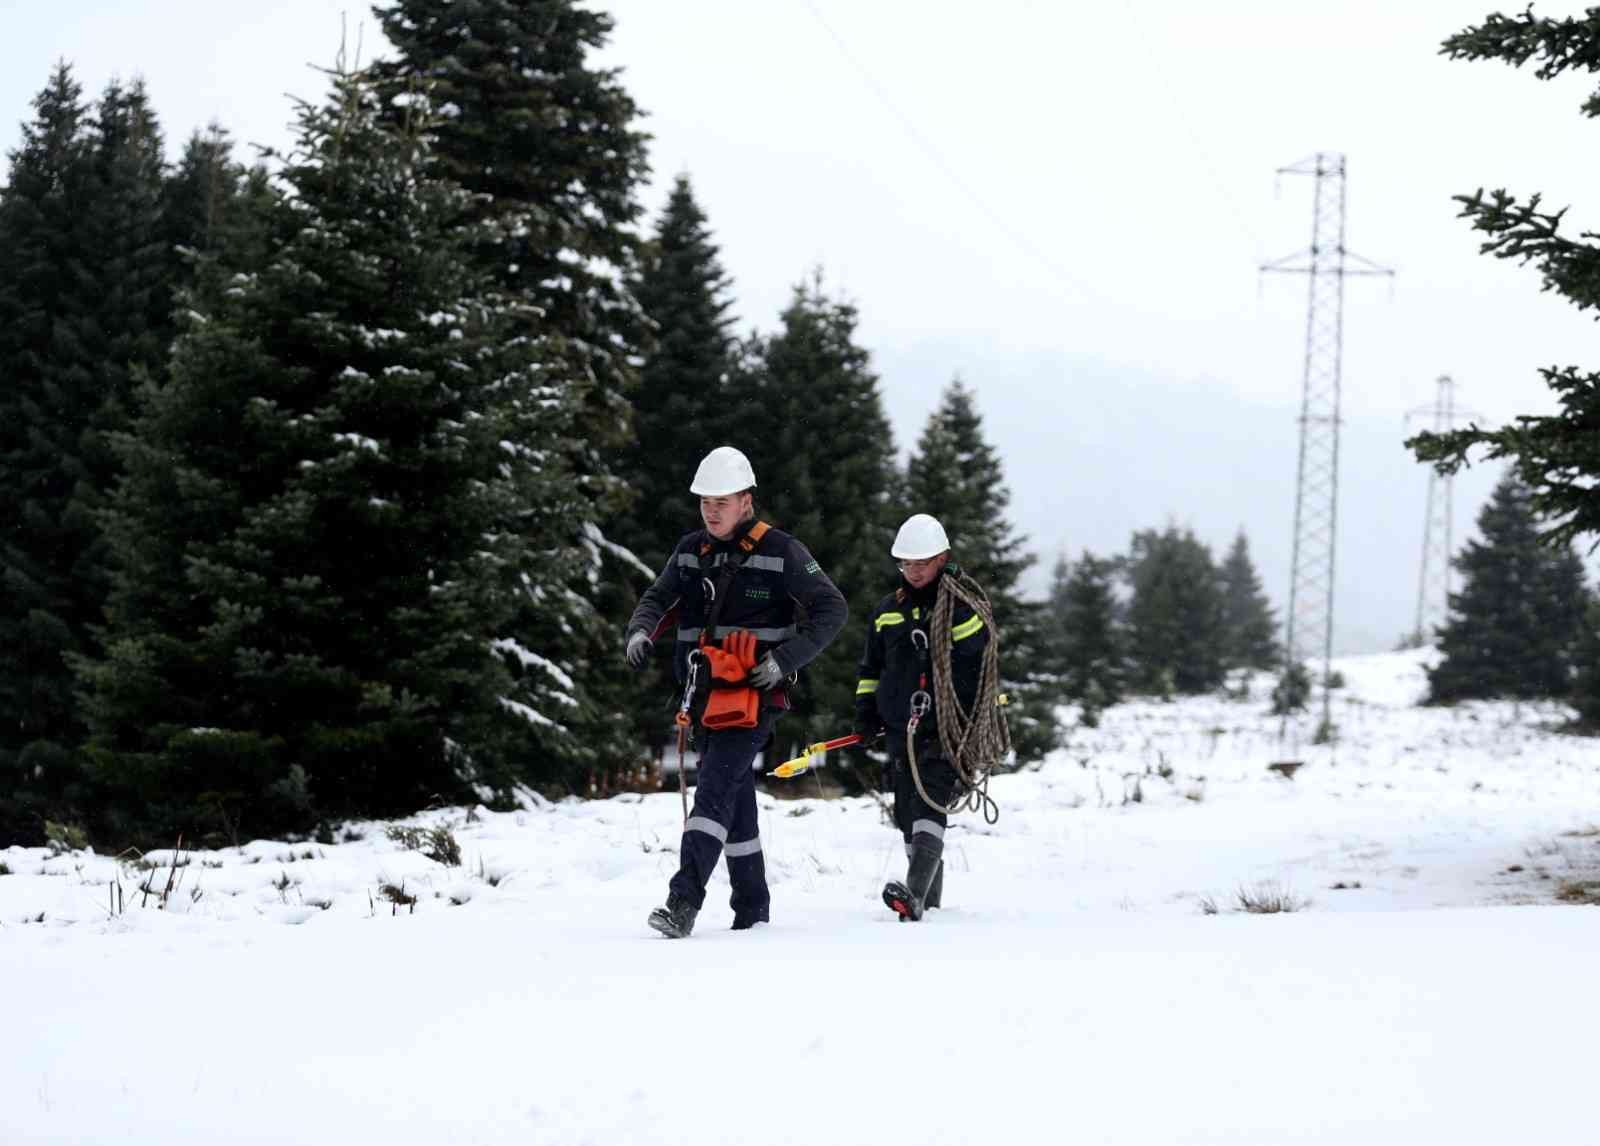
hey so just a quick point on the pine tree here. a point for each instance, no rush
(955, 475)
(46, 403)
(317, 544)
(1248, 626)
(681, 408)
(1175, 616)
(1515, 625)
(547, 143)
(86, 307)
(1586, 664)
(216, 216)
(1556, 457)
(1092, 660)
(810, 417)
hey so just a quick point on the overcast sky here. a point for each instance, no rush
(1066, 206)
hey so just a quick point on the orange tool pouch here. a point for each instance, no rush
(732, 703)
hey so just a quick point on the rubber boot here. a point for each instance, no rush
(676, 919)
(935, 894)
(908, 899)
(745, 921)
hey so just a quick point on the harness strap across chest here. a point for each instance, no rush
(718, 592)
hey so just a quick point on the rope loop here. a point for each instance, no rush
(974, 741)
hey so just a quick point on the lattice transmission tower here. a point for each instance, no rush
(1433, 579)
(1326, 264)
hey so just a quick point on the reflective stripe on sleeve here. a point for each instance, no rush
(710, 827)
(886, 619)
(866, 687)
(745, 848)
(966, 628)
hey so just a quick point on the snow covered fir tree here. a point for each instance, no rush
(1516, 623)
(306, 611)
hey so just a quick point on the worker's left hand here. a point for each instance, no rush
(768, 674)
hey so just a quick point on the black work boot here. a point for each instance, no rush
(936, 888)
(908, 899)
(745, 920)
(676, 919)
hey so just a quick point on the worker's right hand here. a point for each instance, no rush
(639, 646)
(869, 724)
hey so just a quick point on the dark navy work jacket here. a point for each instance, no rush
(779, 592)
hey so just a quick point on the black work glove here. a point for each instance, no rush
(639, 647)
(869, 725)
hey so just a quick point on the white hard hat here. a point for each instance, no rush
(723, 471)
(920, 538)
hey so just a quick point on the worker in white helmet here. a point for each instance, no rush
(749, 607)
(894, 693)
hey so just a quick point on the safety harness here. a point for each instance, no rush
(730, 702)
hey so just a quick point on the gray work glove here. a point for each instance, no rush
(639, 646)
(767, 674)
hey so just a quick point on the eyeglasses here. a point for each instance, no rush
(916, 566)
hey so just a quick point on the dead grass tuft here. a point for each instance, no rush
(1268, 898)
(1581, 891)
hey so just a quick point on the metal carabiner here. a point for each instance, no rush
(921, 702)
(690, 677)
(919, 640)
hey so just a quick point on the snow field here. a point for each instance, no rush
(1430, 990)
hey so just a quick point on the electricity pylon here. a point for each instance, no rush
(1309, 619)
(1433, 579)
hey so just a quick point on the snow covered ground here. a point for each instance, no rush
(1432, 988)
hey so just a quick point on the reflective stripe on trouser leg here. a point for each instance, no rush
(723, 776)
(747, 866)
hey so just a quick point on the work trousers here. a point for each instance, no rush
(912, 814)
(724, 821)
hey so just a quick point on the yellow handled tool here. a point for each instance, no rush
(802, 763)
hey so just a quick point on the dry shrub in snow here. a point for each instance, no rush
(1269, 898)
(1584, 891)
(437, 843)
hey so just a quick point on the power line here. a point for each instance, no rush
(996, 219)
(1180, 109)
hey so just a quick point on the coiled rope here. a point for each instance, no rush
(975, 741)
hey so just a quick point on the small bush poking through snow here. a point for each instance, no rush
(398, 897)
(1268, 899)
(1586, 891)
(60, 838)
(1264, 899)
(437, 843)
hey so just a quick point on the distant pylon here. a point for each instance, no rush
(1309, 619)
(1433, 579)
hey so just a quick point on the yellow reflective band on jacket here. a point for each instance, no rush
(866, 687)
(889, 619)
(966, 628)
